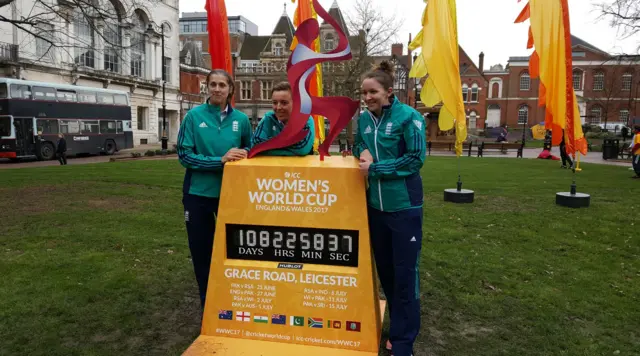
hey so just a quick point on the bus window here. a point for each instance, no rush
(20, 91)
(47, 127)
(87, 97)
(89, 127)
(69, 127)
(120, 99)
(67, 95)
(5, 126)
(3, 91)
(105, 98)
(44, 93)
(107, 127)
(119, 125)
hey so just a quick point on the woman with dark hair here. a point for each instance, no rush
(274, 122)
(390, 143)
(211, 135)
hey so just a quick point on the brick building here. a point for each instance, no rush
(607, 88)
(193, 76)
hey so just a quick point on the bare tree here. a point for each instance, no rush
(96, 20)
(623, 15)
(375, 31)
(372, 33)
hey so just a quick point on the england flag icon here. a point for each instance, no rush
(243, 316)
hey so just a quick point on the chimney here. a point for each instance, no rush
(410, 61)
(481, 64)
(397, 49)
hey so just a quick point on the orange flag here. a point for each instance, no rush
(219, 43)
(305, 11)
(550, 35)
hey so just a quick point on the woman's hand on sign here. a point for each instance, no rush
(366, 156)
(234, 154)
(364, 167)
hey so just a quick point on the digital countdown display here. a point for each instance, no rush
(291, 269)
(331, 247)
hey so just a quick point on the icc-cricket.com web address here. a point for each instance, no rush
(314, 340)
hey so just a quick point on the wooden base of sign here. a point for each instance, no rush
(292, 270)
(227, 346)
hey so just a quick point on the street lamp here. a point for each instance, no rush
(417, 86)
(164, 138)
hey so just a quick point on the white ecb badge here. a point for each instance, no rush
(418, 124)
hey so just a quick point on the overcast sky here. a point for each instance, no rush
(484, 25)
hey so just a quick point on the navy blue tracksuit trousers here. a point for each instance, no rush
(200, 217)
(396, 239)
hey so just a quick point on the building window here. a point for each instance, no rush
(525, 81)
(245, 90)
(277, 49)
(627, 78)
(474, 93)
(198, 44)
(523, 115)
(142, 118)
(329, 43)
(112, 38)
(495, 90)
(266, 90)
(577, 80)
(138, 47)
(598, 81)
(166, 69)
(596, 115)
(624, 116)
(473, 120)
(44, 47)
(465, 93)
(83, 33)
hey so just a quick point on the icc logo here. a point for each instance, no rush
(292, 175)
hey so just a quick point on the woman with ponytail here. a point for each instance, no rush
(390, 144)
(211, 135)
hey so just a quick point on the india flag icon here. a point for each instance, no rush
(261, 319)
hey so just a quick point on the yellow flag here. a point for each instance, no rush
(440, 61)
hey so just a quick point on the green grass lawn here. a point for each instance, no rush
(94, 261)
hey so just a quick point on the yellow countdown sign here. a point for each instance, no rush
(291, 270)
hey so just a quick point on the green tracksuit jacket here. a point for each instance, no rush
(270, 126)
(398, 146)
(202, 141)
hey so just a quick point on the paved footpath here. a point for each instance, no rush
(532, 153)
(72, 160)
(529, 153)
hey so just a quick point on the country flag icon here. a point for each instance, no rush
(353, 326)
(279, 319)
(225, 315)
(243, 316)
(296, 320)
(263, 319)
(334, 324)
(315, 323)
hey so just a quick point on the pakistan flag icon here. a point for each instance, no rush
(296, 320)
